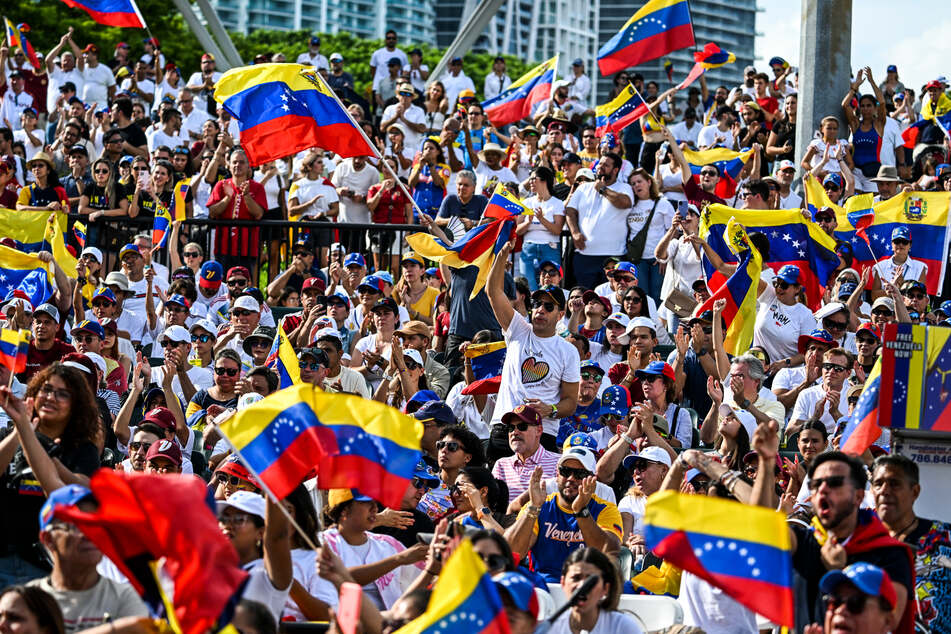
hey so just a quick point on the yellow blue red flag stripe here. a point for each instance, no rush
(283, 361)
(486, 360)
(518, 100)
(123, 13)
(287, 108)
(712, 56)
(24, 272)
(16, 38)
(743, 550)
(352, 442)
(620, 112)
(14, 345)
(464, 599)
(863, 429)
(28, 230)
(657, 28)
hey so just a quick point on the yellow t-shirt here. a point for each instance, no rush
(426, 304)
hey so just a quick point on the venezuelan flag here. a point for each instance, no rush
(938, 114)
(712, 56)
(936, 413)
(924, 213)
(792, 240)
(28, 230)
(739, 291)
(56, 237)
(282, 360)
(161, 225)
(179, 192)
(479, 246)
(518, 100)
(659, 27)
(123, 13)
(486, 360)
(79, 232)
(283, 109)
(463, 599)
(903, 360)
(353, 442)
(16, 38)
(743, 550)
(863, 429)
(620, 112)
(14, 345)
(729, 162)
(25, 272)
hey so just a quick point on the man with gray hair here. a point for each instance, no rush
(743, 389)
(465, 204)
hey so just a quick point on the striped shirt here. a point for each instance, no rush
(516, 472)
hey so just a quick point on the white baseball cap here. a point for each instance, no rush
(246, 302)
(413, 354)
(250, 503)
(176, 333)
(583, 455)
(205, 325)
(98, 360)
(746, 419)
(624, 321)
(94, 252)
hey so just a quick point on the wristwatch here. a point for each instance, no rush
(583, 513)
(485, 511)
(745, 404)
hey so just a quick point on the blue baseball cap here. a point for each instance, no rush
(835, 179)
(354, 259)
(371, 282)
(867, 578)
(432, 271)
(520, 590)
(424, 473)
(615, 400)
(422, 397)
(945, 308)
(210, 275)
(125, 159)
(105, 293)
(436, 411)
(846, 289)
(386, 276)
(819, 335)
(341, 296)
(789, 274)
(90, 326)
(177, 299)
(626, 267)
(656, 368)
(898, 233)
(580, 439)
(69, 495)
(129, 248)
(592, 365)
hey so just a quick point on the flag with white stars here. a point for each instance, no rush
(657, 28)
(24, 272)
(863, 429)
(743, 550)
(519, 99)
(903, 359)
(464, 599)
(936, 414)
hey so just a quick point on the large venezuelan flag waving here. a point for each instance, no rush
(283, 109)
(518, 100)
(659, 27)
(743, 550)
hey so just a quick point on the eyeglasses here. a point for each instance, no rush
(569, 472)
(411, 364)
(313, 365)
(833, 482)
(882, 312)
(49, 391)
(854, 604)
(102, 171)
(135, 445)
(237, 282)
(229, 371)
(915, 296)
(548, 272)
(780, 284)
(192, 254)
(834, 367)
(591, 376)
(548, 306)
(240, 312)
(832, 324)
(831, 188)
(201, 338)
(237, 519)
(523, 426)
(450, 445)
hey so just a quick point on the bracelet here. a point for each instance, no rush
(627, 438)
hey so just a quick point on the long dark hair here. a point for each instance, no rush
(305, 515)
(497, 492)
(84, 424)
(645, 309)
(44, 607)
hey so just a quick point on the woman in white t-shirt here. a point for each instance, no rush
(781, 318)
(310, 196)
(597, 613)
(655, 211)
(275, 187)
(540, 232)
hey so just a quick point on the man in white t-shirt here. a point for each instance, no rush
(381, 56)
(541, 370)
(836, 368)
(99, 85)
(202, 83)
(488, 167)
(169, 134)
(597, 219)
(353, 177)
(64, 71)
(687, 130)
(192, 118)
(455, 81)
(410, 118)
(718, 134)
(312, 56)
(785, 173)
(176, 341)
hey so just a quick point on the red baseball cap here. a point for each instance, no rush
(165, 449)
(161, 416)
(522, 413)
(312, 282)
(238, 270)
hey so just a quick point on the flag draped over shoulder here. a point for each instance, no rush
(743, 550)
(352, 442)
(658, 27)
(620, 112)
(792, 240)
(283, 360)
(712, 56)
(739, 291)
(124, 13)
(141, 519)
(25, 272)
(479, 246)
(924, 213)
(518, 100)
(464, 599)
(729, 162)
(283, 109)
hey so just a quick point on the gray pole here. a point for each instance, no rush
(220, 34)
(206, 41)
(825, 48)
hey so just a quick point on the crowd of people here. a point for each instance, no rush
(610, 389)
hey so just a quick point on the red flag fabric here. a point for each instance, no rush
(141, 518)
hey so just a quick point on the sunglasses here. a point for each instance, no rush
(591, 376)
(240, 312)
(834, 367)
(832, 324)
(411, 364)
(419, 483)
(313, 365)
(192, 254)
(136, 445)
(548, 306)
(547, 272)
(103, 171)
(260, 343)
(226, 371)
(630, 279)
(831, 188)
(494, 561)
(825, 218)
(450, 445)
(709, 173)
(882, 312)
(635, 299)
(577, 474)
(868, 341)
(902, 243)
(168, 343)
(238, 283)
(201, 338)
(85, 338)
(641, 465)
(833, 482)
(523, 426)
(915, 296)
(781, 285)
(854, 604)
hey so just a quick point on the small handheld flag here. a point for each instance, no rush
(14, 346)
(282, 360)
(79, 232)
(620, 112)
(518, 100)
(486, 361)
(161, 225)
(16, 38)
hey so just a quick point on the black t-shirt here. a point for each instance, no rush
(407, 536)
(134, 135)
(22, 496)
(807, 560)
(147, 205)
(99, 197)
(203, 399)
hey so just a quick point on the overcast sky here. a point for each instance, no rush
(917, 40)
